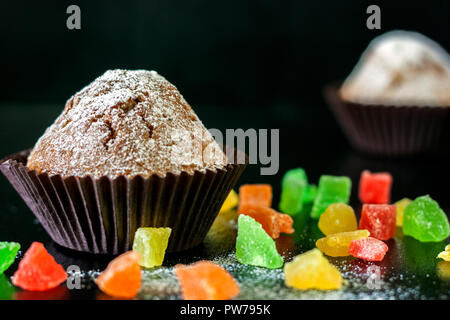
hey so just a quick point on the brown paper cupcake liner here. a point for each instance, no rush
(392, 130)
(101, 215)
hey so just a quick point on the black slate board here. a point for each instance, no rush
(410, 270)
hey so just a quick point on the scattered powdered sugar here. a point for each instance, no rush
(394, 278)
(159, 283)
(391, 279)
(126, 123)
(268, 284)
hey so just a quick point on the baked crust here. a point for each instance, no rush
(126, 123)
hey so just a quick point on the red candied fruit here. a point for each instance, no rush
(38, 270)
(379, 219)
(375, 188)
(369, 249)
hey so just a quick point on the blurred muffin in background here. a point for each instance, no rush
(400, 68)
(396, 100)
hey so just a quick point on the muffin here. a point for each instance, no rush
(396, 100)
(126, 152)
(126, 123)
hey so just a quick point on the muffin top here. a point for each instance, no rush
(400, 68)
(126, 123)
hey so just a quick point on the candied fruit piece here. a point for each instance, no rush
(445, 254)
(272, 221)
(38, 270)
(285, 223)
(331, 190)
(339, 217)
(375, 188)
(311, 270)
(231, 202)
(401, 205)
(267, 217)
(151, 243)
(258, 194)
(254, 246)
(8, 252)
(6, 288)
(293, 187)
(336, 245)
(205, 280)
(310, 194)
(379, 219)
(443, 270)
(369, 249)
(122, 276)
(425, 221)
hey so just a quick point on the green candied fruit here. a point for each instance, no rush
(293, 187)
(151, 243)
(331, 190)
(254, 246)
(425, 221)
(310, 193)
(6, 288)
(8, 252)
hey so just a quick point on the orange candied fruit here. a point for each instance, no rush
(122, 276)
(258, 194)
(267, 217)
(271, 220)
(205, 280)
(285, 223)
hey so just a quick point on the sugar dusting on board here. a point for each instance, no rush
(394, 278)
(409, 271)
(266, 284)
(126, 123)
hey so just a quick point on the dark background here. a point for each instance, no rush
(240, 64)
(233, 53)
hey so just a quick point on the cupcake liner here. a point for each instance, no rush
(101, 215)
(389, 130)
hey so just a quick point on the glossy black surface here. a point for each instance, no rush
(310, 138)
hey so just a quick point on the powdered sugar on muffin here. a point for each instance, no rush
(126, 123)
(400, 68)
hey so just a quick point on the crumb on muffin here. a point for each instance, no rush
(126, 123)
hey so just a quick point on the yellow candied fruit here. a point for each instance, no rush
(443, 270)
(401, 205)
(311, 270)
(336, 245)
(231, 202)
(338, 217)
(445, 254)
(151, 243)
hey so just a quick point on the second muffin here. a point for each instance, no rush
(396, 100)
